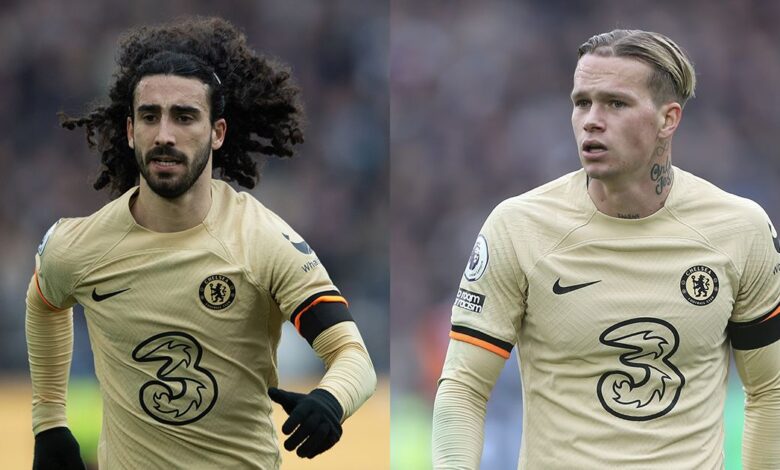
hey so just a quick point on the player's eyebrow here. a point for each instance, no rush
(185, 109)
(601, 95)
(176, 108)
(148, 108)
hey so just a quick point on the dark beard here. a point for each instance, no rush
(173, 187)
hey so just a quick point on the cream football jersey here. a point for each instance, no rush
(622, 326)
(184, 326)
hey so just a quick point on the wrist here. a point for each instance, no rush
(330, 402)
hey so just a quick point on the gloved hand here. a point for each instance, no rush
(57, 449)
(317, 417)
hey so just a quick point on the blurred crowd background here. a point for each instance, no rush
(59, 56)
(477, 109)
(480, 112)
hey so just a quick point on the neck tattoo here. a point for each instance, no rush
(661, 174)
(627, 216)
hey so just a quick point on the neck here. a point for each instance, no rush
(639, 196)
(172, 215)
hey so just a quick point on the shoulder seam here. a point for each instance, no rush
(709, 243)
(244, 269)
(516, 328)
(213, 235)
(97, 261)
(561, 240)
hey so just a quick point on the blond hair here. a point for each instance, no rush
(673, 77)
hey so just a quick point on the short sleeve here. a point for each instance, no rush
(490, 301)
(298, 282)
(53, 273)
(755, 319)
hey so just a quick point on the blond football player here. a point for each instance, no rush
(185, 283)
(623, 285)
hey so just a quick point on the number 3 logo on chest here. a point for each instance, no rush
(646, 384)
(183, 391)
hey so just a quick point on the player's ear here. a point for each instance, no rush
(218, 130)
(670, 115)
(130, 138)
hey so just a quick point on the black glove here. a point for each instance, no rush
(317, 417)
(57, 449)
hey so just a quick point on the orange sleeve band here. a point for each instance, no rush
(772, 315)
(481, 343)
(40, 294)
(324, 298)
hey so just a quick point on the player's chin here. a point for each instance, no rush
(169, 189)
(164, 179)
(597, 169)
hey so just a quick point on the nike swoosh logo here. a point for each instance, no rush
(301, 246)
(559, 289)
(101, 297)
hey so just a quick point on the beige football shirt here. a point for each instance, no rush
(621, 325)
(184, 326)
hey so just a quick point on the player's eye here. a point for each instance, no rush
(149, 118)
(185, 118)
(617, 104)
(581, 103)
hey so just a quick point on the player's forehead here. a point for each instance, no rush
(611, 75)
(165, 91)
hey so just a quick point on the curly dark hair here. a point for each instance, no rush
(254, 94)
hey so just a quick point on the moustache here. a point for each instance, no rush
(165, 151)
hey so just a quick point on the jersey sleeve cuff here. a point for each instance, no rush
(319, 312)
(482, 340)
(757, 333)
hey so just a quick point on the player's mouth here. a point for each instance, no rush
(592, 148)
(165, 163)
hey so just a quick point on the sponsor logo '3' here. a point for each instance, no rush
(645, 383)
(183, 391)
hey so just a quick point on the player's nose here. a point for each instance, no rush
(594, 120)
(165, 133)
